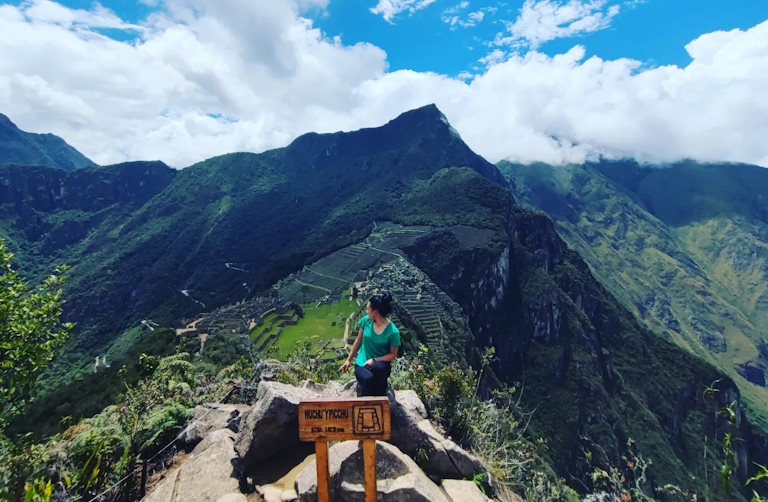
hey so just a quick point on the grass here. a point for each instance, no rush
(264, 325)
(316, 327)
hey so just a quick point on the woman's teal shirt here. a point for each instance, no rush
(375, 345)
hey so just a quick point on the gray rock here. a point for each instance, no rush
(272, 425)
(271, 494)
(415, 435)
(207, 475)
(210, 417)
(463, 491)
(455, 460)
(397, 475)
(410, 402)
(233, 497)
(331, 389)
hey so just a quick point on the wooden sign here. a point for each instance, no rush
(364, 418)
(340, 419)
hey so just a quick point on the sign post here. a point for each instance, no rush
(364, 418)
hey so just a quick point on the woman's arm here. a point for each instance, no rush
(353, 351)
(386, 358)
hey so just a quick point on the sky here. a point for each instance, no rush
(556, 81)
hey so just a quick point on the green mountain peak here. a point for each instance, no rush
(25, 148)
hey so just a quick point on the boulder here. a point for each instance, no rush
(272, 424)
(210, 417)
(207, 475)
(397, 475)
(463, 491)
(271, 427)
(414, 434)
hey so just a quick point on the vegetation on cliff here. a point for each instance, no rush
(683, 247)
(20, 147)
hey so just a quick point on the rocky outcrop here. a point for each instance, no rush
(272, 425)
(581, 355)
(208, 475)
(415, 435)
(752, 372)
(237, 441)
(398, 478)
(463, 491)
(210, 417)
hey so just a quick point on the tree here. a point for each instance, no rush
(31, 331)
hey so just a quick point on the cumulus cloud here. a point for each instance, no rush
(389, 9)
(204, 78)
(540, 21)
(157, 97)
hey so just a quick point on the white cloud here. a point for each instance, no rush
(206, 78)
(540, 21)
(44, 11)
(476, 16)
(257, 61)
(455, 16)
(494, 57)
(389, 9)
(308, 4)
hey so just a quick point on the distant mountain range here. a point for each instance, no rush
(683, 246)
(148, 242)
(26, 148)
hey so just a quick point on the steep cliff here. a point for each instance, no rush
(594, 376)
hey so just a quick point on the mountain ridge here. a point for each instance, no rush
(523, 291)
(684, 247)
(25, 148)
(181, 237)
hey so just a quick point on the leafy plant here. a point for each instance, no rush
(31, 332)
(38, 491)
(495, 429)
(761, 474)
(729, 462)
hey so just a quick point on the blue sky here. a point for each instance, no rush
(652, 31)
(184, 80)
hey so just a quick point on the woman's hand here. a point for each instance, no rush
(369, 363)
(345, 366)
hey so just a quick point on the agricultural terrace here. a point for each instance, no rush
(265, 334)
(323, 325)
(322, 290)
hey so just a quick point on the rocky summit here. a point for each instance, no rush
(232, 445)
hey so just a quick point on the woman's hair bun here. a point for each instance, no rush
(382, 303)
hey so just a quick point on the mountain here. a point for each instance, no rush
(25, 148)
(267, 213)
(168, 245)
(684, 247)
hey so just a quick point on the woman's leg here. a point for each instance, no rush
(380, 371)
(364, 380)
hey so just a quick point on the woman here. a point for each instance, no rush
(376, 347)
